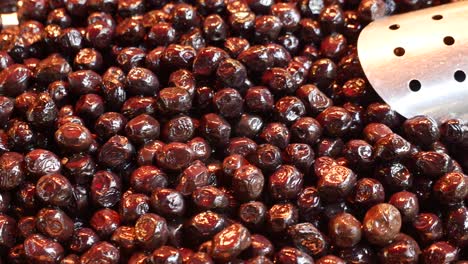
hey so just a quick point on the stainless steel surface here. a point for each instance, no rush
(398, 52)
(9, 20)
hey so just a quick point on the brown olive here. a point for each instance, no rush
(382, 223)
(230, 242)
(345, 230)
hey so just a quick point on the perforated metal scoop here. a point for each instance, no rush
(418, 61)
(8, 20)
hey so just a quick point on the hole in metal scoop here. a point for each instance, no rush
(415, 85)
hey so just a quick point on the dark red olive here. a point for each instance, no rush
(142, 129)
(151, 231)
(456, 228)
(432, 164)
(116, 152)
(375, 131)
(203, 226)
(54, 189)
(451, 188)
(215, 128)
(336, 183)
(105, 189)
(12, 170)
(54, 224)
(105, 222)
(382, 113)
(407, 203)
(130, 57)
(146, 154)
(83, 239)
(345, 230)
(168, 202)
(404, 249)
(228, 102)
(252, 214)
(40, 162)
(166, 254)
(309, 239)
(292, 255)
(175, 156)
(40, 249)
(276, 134)
(147, 178)
(15, 79)
(132, 206)
(281, 216)
(194, 176)
(382, 223)
(428, 227)
(247, 182)
(109, 124)
(336, 121)
(73, 137)
(285, 183)
(243, 146)
(200, 147)
(230, 242)
(160, 34)
(80, 168)
(43, 112)
(101, 251)
(391, 147)
(439, 252)
(124, 237)
(367, 192)
(176, 57)
(8, 226)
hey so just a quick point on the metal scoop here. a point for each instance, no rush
(8, 20)
(418, 61)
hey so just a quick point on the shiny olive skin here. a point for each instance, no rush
(285, 183)
(252, 214)
(12, 170)
(83, 239)
(281, 216)
(55, 224)
(40, 162)
(168, 202)
(226, 249)
(151, 231)
(345, 230)
(54, 189)
(309, 239)
(439, 252)
(337, 183)
(203, 226)
(43, 250)
(455, 227)
(404, 249)
(382, 223)
(105, 222)
(101, 251)
(247, 182)
(421, 130)
(292, 255)
(407, 203)
(367, 192)
(194, 176)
